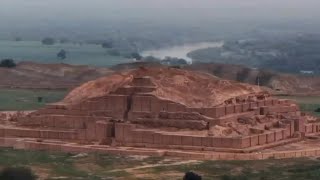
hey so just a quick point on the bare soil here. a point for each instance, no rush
(29, 75)
(190, 88)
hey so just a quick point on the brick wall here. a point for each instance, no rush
(51, 146)
(45, 134)
(142, 81)
(147, 138)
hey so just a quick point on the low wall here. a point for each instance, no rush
(43, 134)
(74, 148)
(312, 128)
(273, 105)
(61, 121)
(127, 134)
(97, 131)
(176, 123)
(101, 131)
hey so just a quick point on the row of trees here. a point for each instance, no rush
(10, 63)
(112, 50)
(52, 41)
(107, 44)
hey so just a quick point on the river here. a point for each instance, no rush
(181, 51)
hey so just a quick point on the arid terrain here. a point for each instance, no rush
(137, 109)
(275, 82)
(159, 90)
(167, 108)
(63, 76)
(30, 75)
(278, 83)
(204, 89)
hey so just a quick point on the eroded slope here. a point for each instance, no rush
(193, 89)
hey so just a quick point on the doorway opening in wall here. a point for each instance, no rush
(129, 105)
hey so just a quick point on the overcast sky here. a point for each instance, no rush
(94, 16)
(100, 9)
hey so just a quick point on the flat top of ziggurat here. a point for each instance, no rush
(190, 88)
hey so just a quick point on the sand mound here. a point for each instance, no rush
(193, 89)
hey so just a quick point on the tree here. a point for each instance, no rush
(151, 59)
(62, 54)
(136, 56)
(243, 74)
(17, 173)
(107, 44)
(8, 63)
(48, 41)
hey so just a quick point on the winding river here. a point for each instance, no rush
(181, 51)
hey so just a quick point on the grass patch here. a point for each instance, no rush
(242, 170)
(110, 162)
(85, 54)
(68, 170)
(10, 157)
(108, 166)
(310, 108)
(24, 99)
(306, 103)
(116, 174)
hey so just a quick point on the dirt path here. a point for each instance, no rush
(157, 165)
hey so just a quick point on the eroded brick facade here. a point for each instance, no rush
(131, 116)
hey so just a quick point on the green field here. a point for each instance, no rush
(87, 54)
(307, 103)
(102, 166)
(21, 99)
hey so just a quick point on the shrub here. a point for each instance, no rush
(136, 56)
(8, 63)
(48, 41)
(62, 54)
(107, 44)
(17, 173)
(192, 176)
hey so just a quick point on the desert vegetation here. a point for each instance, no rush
(24, 99)
(7, 63)
(94, 166)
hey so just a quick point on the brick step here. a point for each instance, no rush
(177, 123)
(60, 121)
(35, 133)
(214, 149)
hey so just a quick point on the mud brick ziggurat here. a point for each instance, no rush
(163, 111)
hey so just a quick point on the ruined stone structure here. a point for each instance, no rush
(168, 109)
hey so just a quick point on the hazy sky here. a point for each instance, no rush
(100, 9)
(90, 16)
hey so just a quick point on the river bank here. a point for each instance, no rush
(181, 51)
